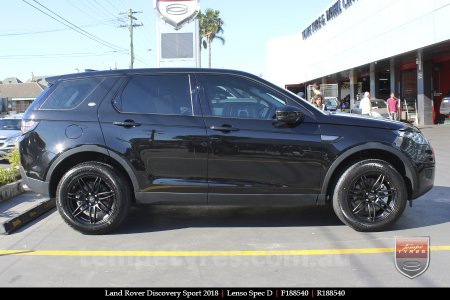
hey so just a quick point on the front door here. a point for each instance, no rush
(154, 124)
(251, 153)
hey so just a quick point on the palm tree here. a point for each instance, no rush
(211, 29)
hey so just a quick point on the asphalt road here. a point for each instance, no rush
(242, 247)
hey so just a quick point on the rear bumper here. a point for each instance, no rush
(37, 186)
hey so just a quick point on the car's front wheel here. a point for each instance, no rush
(93, 198)
(370, 195)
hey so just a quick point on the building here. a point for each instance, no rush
(378, 46)
(16, 97)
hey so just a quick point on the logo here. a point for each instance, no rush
(177, 12)
(412, 255)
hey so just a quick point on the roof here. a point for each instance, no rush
(53, 79)
(20, 90)
(10, 80)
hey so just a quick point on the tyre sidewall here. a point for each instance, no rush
(341, 205)
(113, 179)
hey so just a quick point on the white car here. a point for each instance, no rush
(9, 133)
(445, 105)
(379, 108)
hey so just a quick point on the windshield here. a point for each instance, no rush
(378, 104)
(10, 124)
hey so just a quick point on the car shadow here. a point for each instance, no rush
(431, 209)
(163, 218)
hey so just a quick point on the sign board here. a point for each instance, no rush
(177, 12)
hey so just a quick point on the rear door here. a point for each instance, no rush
(153, 123)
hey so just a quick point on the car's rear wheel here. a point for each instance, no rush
(370, 195)
(93, 198)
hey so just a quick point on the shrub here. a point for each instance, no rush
(10, 174)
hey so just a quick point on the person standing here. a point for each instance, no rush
(316, 91)
(319, 102)
(392, 104)
(366, 105)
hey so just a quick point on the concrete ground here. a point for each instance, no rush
(201, 246)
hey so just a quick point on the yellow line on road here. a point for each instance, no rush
(206, 253)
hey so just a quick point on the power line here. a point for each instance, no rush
(56, 55)
(73, 26)
(43, 31)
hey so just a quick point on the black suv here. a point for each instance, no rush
(102, 141)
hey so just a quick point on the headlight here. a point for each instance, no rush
(413, 143)
(417, 137)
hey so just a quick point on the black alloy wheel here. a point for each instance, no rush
(93, 198)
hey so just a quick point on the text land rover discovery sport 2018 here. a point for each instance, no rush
(101, 141)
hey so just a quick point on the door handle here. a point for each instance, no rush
(127, 123)
(224, 128)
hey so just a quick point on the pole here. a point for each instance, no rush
(130, 27)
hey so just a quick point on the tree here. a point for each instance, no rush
(211, 28)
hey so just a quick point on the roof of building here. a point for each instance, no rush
(9, 80)
(20, 90)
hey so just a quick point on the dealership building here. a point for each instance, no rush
(379, 46)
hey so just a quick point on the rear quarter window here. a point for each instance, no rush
(69, 94)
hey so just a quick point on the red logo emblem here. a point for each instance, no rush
(412, 255)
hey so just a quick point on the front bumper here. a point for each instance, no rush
(425, 180)
(37, 186)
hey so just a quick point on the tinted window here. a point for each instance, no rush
(70, 93)
(10, 124)
(239, 97)
(156, 94)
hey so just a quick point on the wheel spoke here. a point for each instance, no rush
(364, 184)
(376, 186)
(372, 211)
(96, 186)
(383, 206)
(386, 193)
(72, 196)
(105, 195)
(359, 207)
(105, 207)
(356, 192)
(83, 185)
(80, 208)
(93, 214)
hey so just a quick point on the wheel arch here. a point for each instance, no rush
(369, 151)
(85, 153)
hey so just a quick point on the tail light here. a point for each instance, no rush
(28, 125)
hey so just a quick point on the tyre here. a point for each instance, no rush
(370, 195)
(93, 198)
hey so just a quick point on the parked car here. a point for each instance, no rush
(9, 133)
(445, 105)
(101, 141)
(332, 103)
(379, 108)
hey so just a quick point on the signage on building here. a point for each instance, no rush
(177, 12)
(331, 13)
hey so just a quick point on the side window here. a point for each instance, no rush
(239, 97)
(70, 93)
(156, 94)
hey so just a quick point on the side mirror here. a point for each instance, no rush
(289, 114)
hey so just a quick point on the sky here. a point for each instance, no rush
(32, 42)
